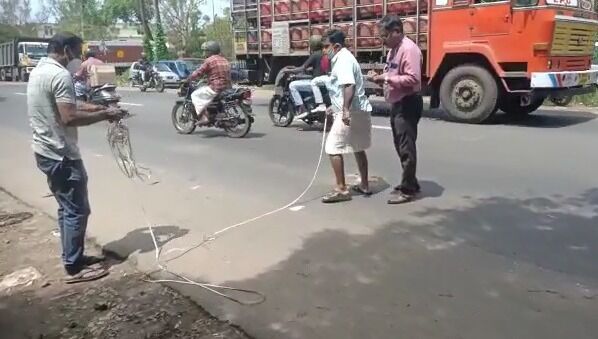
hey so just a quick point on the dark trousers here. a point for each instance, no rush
(404, 117)
(67, 180)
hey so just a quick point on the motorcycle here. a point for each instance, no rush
(155, 81)
(282, 108)
(230, 111)
(104, 95)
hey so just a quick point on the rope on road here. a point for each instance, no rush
(120, 144)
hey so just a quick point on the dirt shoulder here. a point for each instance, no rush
(121, 305)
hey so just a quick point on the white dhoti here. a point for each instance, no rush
(356, 137)
(202, 97)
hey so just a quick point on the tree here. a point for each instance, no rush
(221, 30)
(183, 18)
(84, 17)
(148, 48)
(160, 43)
(15, 12)
(42, 16)
(130, 11)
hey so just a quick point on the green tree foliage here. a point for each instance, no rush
(220, 30)
(161, 51)
(148, 48)
(84, 17)
(183, 19)
(15, 12)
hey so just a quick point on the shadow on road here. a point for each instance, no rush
(140, 240)
(2, 99)
(540, 119)
(546, 119)
(216, 133)
(462, 272)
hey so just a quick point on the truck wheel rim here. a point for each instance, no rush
(467, 95)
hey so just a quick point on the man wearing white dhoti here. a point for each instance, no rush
(351, 130)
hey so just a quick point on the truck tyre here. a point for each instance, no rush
(561, 100)
(23, 75)
(469, 93)
(511, 105)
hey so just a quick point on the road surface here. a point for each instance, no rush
(502, 244)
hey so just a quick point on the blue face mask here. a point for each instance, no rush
(331, 53)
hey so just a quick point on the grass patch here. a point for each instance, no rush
(122, 79)
(588, 100)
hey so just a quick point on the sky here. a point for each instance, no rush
(206, 8)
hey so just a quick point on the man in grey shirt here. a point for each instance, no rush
(54, 116)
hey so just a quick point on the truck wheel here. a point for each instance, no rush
(511, 105)
(469, 93)
(562, 100)
(23, 76)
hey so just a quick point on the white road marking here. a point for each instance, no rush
(296, 208)
(130, 104)
(20, 93)
(381, 127)
(195, 187)
(98, 155)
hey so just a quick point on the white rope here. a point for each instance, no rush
(120, 144)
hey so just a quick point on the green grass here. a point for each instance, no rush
(122, 79)
(588, 100)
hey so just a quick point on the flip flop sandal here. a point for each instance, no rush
(357, 189)
(86, 274)
(336, 196)
(89, 260)
(401, 199)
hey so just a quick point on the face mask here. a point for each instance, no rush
(331, 53)
(69, 55)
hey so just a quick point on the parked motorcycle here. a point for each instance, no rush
(104, 95)
(154, 81)
(230, 111)
(282, 108)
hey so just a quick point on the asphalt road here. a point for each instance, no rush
(503, 243)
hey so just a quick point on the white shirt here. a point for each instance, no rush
(346, 71)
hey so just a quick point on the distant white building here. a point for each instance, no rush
(46, 31)
(123, 30)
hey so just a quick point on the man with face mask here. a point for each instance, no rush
(54, 116)
(351, 131)
(402, 82)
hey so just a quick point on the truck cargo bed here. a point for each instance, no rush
(253, 23)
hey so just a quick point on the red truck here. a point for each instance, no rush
(479, 55)
(120, 53)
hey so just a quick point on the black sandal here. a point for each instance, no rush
(401, 198)
(336, 196)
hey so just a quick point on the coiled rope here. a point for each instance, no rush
(119, 141)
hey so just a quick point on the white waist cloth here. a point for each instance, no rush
(356, 137)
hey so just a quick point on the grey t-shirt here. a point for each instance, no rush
(51, 83)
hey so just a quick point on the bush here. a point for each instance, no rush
(589, 100)
(123, 79)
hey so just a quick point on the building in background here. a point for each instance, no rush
(46, 31)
